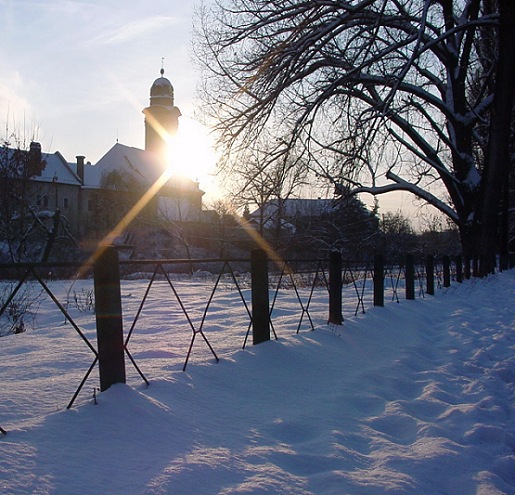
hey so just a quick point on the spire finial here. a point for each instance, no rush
(162, 71)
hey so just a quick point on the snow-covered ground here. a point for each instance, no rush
(413, 398)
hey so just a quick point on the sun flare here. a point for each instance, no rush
(191, 153)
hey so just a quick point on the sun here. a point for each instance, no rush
(191, 152)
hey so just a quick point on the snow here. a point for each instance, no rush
(412, 398)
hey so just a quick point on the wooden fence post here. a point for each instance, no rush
(446, 271)
(378, 280)
(503, 262)
(260, 299)
(467, 267)
(410, 277)
(430, 275)
(475, 266)
(108, 308)
(459, 269)
(335, 288)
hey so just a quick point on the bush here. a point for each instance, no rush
(21, 307)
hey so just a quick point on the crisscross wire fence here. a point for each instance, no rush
(338, 289)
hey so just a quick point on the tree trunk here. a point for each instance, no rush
(469, 237)
(498, 157)
(51, 236)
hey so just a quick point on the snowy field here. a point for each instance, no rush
(413, 398)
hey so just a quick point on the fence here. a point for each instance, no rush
(373, 279)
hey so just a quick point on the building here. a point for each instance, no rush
(125, 173)
(92, 198)
(161, 117)
(285, 214)
(300, 227)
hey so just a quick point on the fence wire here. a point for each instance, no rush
(305, 282)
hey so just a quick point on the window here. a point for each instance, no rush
(65, 203)
(45, 201)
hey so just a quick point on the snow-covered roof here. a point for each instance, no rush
(294, 207)
(57, 169)
(141, 164)
(144, 165)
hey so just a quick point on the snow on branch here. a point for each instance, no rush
(401, 185)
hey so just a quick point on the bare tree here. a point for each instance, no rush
(266, 178)
(172, 217)
(438, 236)
(384, 95)
(499, 162)
(27, 233)
(398, 235)
(226, 223)
(345, 225)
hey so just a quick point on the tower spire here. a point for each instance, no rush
(161, 116)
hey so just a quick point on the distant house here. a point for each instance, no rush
(124, 174)
(285, 214)
(92, 199)
(50, 183)
(300, 227)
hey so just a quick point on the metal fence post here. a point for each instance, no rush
(108, 308)
(378, 280)
(410, 277)
(430, 275)
(260, 299)
(335, 288)
(446, 271)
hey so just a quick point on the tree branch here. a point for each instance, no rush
(402, 185)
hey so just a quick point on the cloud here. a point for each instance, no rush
(13, 103)
(134, 30)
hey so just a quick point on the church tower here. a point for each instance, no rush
(161, 117)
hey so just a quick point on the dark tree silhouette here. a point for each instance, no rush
(383, 95)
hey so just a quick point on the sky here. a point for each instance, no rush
(76, 76)
(415, 397)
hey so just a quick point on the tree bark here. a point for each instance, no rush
(497, 164)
